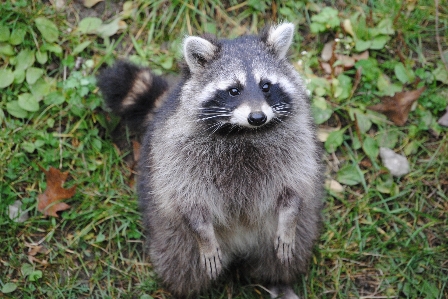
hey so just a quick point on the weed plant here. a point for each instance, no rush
(383, 236)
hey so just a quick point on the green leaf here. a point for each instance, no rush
(356, 144)
(25, 59)
(19, 76)
(7, 77)
(50, 122)
(4, 33)
(328, 16)
(379, 42)
(440, 73)
(109, 29)
(385, 27)
(364, 123)
(362, 45)
(35, 275)
(32, 74)
(9, 287)
(317, 27)
(54, 98)
(54, 48)
(47, 28)
(100, 238)
(17, 36)
(14, 109)
(385, 87)
(370, 147)
(40, 89)
(349, 175)
(6, 49)
(320, 110)
(39, 143)
(167, 63)
(400, 72)
(345, 83)
(89, 25)
(41, 57)
(28, 102)
(387, 138)
(28, 147)
(334, 140)
(26, 269)
(79, 48)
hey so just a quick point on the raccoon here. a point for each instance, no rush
(230, 169)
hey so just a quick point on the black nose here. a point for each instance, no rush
(257, 118)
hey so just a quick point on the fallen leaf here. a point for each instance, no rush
(334, 186)
(346, 61)
(91, 3)
(362, 56)
(443, 121)
(34, 249)
(49, 203)
(397, 164)
(347, 26)
(16, 212)
(326, 67)
(397, 107)
(327, 51)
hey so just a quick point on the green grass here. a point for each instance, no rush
(383, 237)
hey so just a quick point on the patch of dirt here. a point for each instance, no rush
(76, 10)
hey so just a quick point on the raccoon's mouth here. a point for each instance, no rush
(230, 129)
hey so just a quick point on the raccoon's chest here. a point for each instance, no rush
(247, 178)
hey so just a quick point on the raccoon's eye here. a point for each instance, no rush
(265, 87)
(234, 92)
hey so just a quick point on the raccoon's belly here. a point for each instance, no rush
(241, 239)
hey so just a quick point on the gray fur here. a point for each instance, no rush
(252, 196)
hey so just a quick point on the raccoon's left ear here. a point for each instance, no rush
(279, 38)
(197, 52)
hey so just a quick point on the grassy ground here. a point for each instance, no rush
(383, 237)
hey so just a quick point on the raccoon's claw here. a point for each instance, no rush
(285, 250)
(212, 262)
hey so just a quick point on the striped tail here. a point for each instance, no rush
(132, 93)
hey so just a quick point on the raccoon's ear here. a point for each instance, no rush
(197, 52)
(279, 38)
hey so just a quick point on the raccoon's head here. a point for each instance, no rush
(241, 84)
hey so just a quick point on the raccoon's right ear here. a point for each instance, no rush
(278, 38)
(197, 52)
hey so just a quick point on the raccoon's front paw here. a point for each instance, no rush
(212, 262)
(284, 246)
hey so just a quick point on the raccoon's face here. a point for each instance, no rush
(241, 84)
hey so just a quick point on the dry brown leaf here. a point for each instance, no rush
(136, 150)
(49, 203)
(326, 67)
(346, 61)
(35, 249)
(362, 56)
(397, 108)
(327, 51)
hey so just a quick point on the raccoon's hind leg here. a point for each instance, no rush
(283, 292)
(185, 268)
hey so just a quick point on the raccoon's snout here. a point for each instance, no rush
(257, 118)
